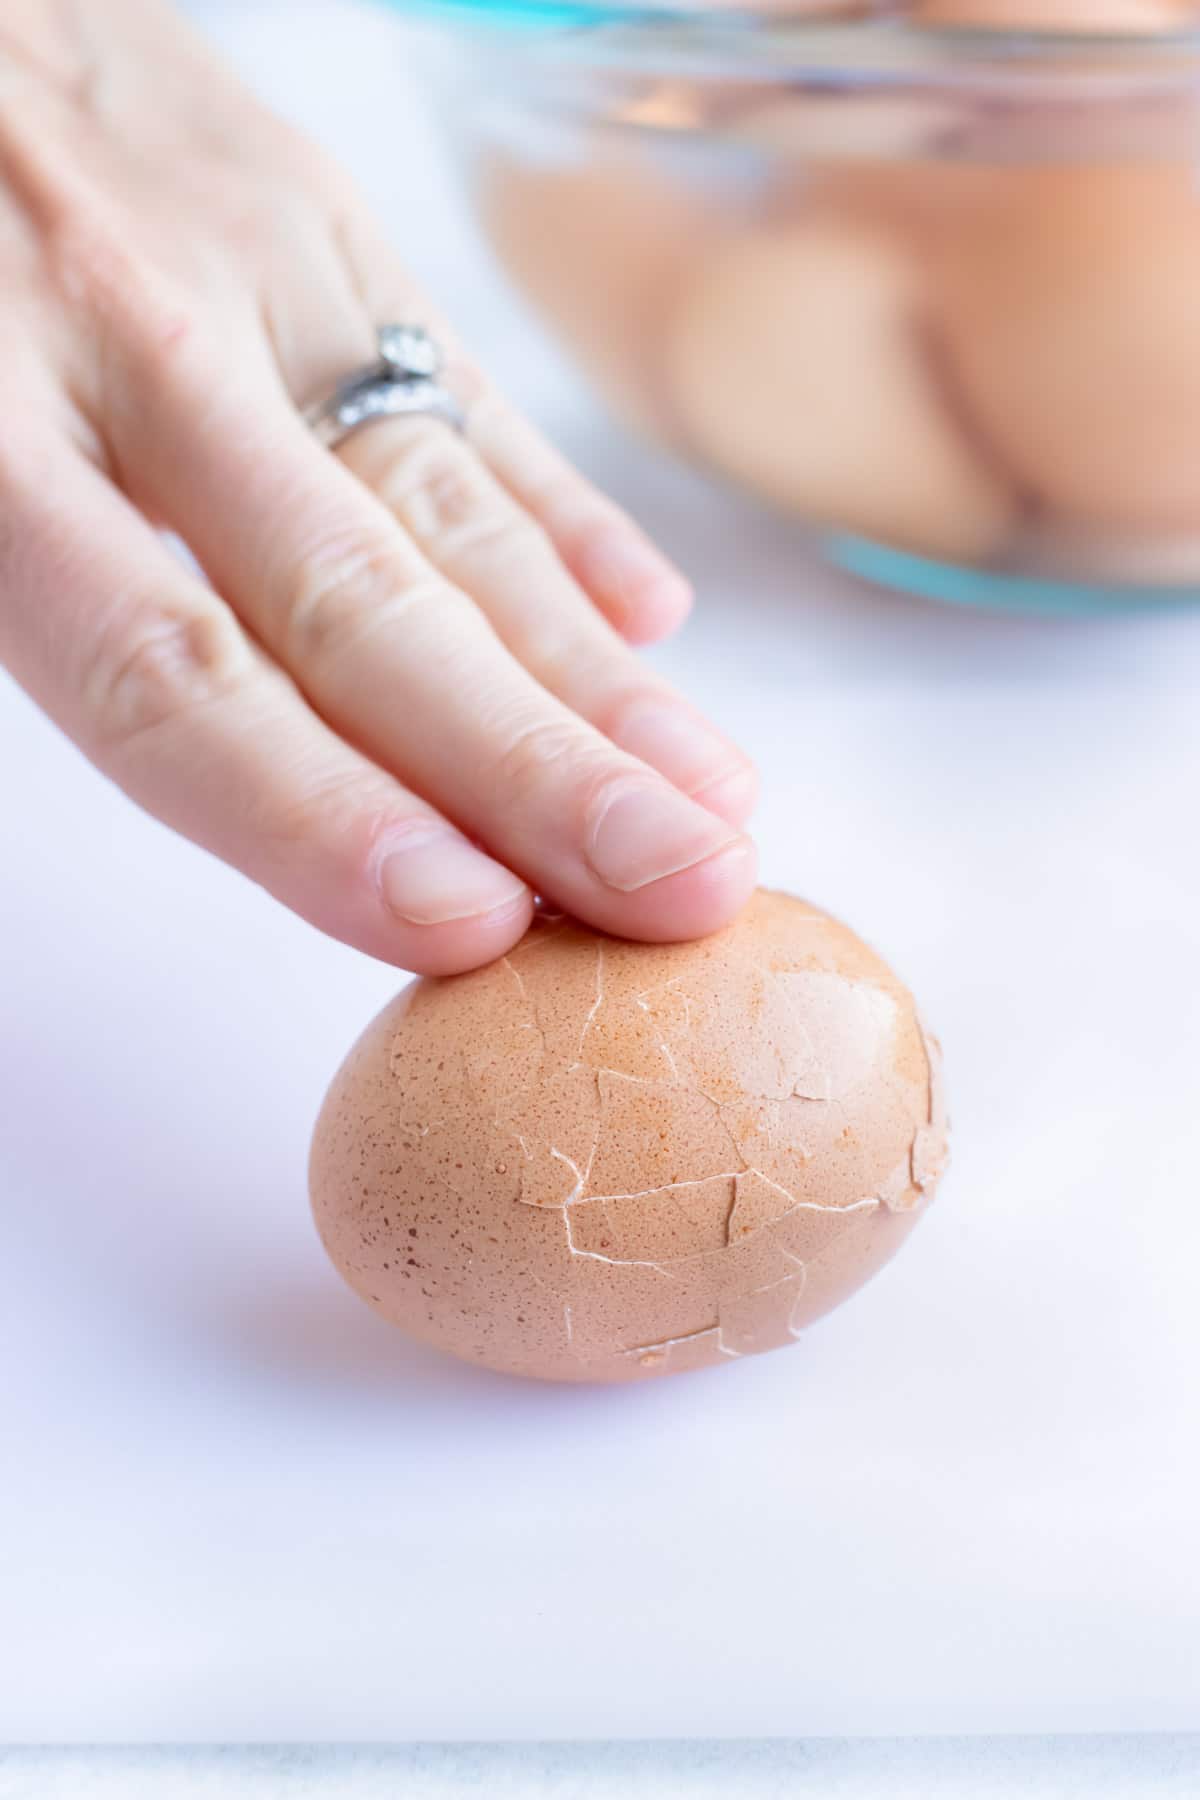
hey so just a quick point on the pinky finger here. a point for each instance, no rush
(154, 678)
(629, 580)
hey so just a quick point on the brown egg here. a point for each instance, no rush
(1071, 308)
(599, 246)
(1102, 17)
(800, 363)
(1111, 558)
(669, 106)
(600, 1161)
(849, 124)
(1145, 121)
(914, 202)
(799, 9)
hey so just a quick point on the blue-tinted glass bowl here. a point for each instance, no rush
(935, 292)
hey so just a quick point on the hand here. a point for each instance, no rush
(407, 700)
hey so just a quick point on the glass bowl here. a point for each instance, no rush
(934, 291)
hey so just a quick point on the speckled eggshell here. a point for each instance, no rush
(602, 1161)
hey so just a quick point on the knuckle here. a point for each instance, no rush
(342, 593)
(330, 815)
(99, 270)
(169, 665)
(88, 258)
(252, 220)
(538, 746)
(442, 493)
(168, 340)
(304, 165)
(275, 218)
(631, 693)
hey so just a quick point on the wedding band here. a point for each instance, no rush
(402, 382)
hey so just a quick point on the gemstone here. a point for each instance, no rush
(409, 351)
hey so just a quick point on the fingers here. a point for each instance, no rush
(152, 675)
(474, 532)
(398, 659)
(636, 588)
(640, 593)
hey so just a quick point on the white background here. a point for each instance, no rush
(237, 1506)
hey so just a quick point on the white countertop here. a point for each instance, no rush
(1163, 1767)
(237, 1506)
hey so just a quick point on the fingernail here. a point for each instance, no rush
(431, 875)
(627, 569)
(679, 745)
(641, 831)
(732, 796)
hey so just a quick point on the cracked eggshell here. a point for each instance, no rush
(799, 365)
(601, 1161)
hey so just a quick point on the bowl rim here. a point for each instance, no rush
(753, 42)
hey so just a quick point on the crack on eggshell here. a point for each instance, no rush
(814, 1087)
(930, 1152)
(729, 1210)
(507, 962)
(529, 1093)
(727, 1128)
(668, 1343)
(744, 1218)
(668, 1187)
(577, 1172)
(746, 1230)
(616, 1262)
(927, 1159)
(693, 1212)
(409, 1133)
(663, 1346)
(795, 1325)
(598, 1204)
(533, 1023)
(768, 1328)
(802, 1075)
(596, 1003)
(897, 1192)
(642, 1002)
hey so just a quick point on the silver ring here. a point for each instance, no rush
(400, 383)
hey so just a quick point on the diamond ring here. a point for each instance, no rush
(403, 381)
